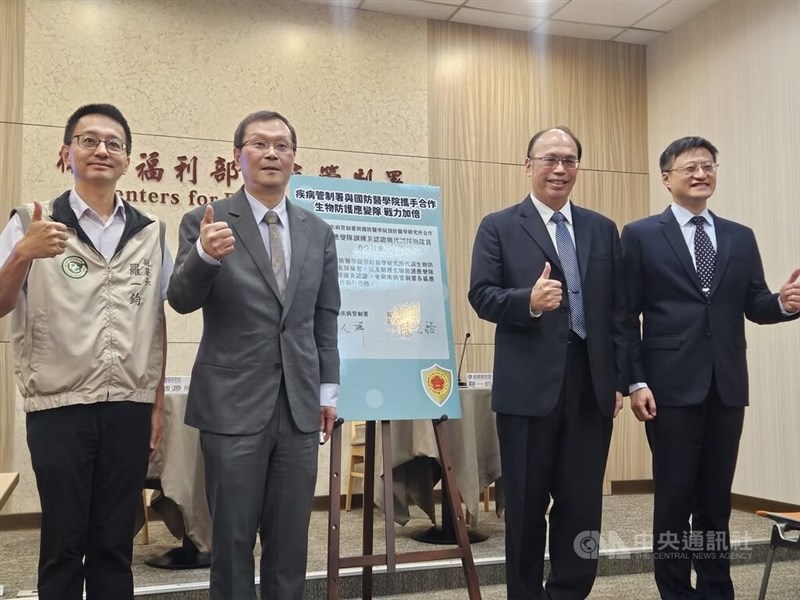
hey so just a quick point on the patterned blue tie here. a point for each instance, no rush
(569, 264)
(705, 257)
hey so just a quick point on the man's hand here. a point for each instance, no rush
(546, 292)
(618, 404)
(643, 404)
(216, 238)
(790, 293)
(327, 417)
(156, 429)
(44, 239)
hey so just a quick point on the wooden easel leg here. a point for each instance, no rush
(334, 511)
(388, 496)
(450, 490)
(367, 535)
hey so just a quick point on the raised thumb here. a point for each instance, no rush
(208, 216)
(37, 211)
(546, 272)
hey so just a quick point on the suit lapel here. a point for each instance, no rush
(672, 231)
(247, 234)
(723, 252)
(298, 229)
(532, 223)
(582, 227)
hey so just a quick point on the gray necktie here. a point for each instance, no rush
(276, 250)
(705, 257)
(569, 263)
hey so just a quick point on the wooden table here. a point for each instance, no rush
(475, 456)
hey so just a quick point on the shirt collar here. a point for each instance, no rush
(79, 207)
(259, 210)
(684, 216)
(547, 213)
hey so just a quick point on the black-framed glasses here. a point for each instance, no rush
(280, 147)
(90, 142)
(551, 162)
(690, 169)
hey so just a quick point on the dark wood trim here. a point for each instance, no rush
(632, 486)
(752, 504)
(18, 521)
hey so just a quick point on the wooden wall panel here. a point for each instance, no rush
(730, 75)
(489, 91)
(12, 36)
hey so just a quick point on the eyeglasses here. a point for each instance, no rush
(89, 142)
(551, 162)
(262, 146)
(692, 168)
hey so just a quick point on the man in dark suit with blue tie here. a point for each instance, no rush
(265, 380)
(549, 274)
(693, 278)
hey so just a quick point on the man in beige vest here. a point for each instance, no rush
(84, 277)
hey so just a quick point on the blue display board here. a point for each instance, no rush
(395, 332)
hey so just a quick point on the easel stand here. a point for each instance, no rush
(368, 560)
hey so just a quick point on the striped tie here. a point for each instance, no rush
(276, 250)
(569, 264)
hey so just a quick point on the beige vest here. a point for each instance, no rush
(85, 330)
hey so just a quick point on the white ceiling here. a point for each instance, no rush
(631, 21)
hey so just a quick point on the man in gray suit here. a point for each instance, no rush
(265, 379)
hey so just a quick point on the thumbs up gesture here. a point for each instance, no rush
(216, 238)
(44, 238)
(546, 292)
(790, 293)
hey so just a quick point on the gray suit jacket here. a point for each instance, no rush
(250, 338)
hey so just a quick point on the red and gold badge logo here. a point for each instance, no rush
(438, 383)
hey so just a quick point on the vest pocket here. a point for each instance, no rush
(41, 339)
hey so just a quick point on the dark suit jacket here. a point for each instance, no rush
(686, 337)
(250, 338)
(530, 354)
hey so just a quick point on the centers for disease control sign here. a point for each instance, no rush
(395, 335)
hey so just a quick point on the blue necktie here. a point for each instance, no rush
(705, 257)
(569, 264)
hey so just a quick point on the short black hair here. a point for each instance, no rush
(107, 110)
(682, 145)
(261, 115)
(566, 130)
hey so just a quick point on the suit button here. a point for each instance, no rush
(283, 328)
(277, 366)
(708, 334)
(562, 339)
(563, 309)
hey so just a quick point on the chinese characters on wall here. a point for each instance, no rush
(186, 169)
